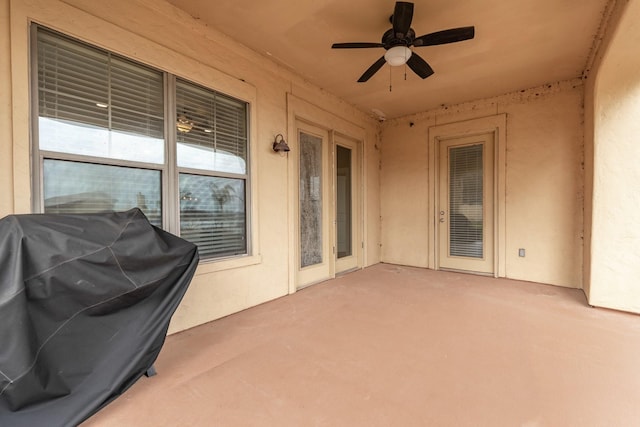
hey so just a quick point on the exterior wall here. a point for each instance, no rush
(615, 209)
(156, 33)
(610, 21)
(544, 182)
(6, 150)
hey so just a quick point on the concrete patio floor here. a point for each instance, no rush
(398, 346)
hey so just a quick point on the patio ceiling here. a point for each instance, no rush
(517, 45)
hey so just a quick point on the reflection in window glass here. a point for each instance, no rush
(343, 201)
(82, 139)
(74, 187)
(208, 159)
(212, 214)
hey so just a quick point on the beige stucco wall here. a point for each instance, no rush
(615, 202)
(156, 33)
(544, 182)
(6, 149)
(611, 19)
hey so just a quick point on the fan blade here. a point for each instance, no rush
(372, 70)
(402, 16)
(355, 45)
(447, 36)
(419, 66)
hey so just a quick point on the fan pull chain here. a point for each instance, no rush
(389, 79)
(405, 65)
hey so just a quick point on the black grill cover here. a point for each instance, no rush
(85, 303)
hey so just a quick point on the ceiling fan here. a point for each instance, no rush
(398, 40)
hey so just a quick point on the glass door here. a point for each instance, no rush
(465, 209)
(314, 184)
(347, 205)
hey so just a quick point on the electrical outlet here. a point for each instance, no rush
(521, 252)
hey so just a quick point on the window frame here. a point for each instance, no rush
(169, 169)
(246, 177)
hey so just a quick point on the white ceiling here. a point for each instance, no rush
(519, 44)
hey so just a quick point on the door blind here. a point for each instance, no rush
(465, 201)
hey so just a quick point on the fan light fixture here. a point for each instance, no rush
(184, 125)
(398, 40)
(397, 55)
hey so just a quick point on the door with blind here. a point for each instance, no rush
(465, 204)
(315, 260)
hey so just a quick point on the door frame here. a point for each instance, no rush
(300, 110)
(444, 260)
(354, 261)
(496, 125)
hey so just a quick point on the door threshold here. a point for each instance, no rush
(351, 270)
(475, 273)
(306, 285)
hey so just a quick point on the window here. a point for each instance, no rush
(105, 141)
(212, 158)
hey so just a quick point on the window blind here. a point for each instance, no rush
(101, 138)
(216, 134)
(95, 104)
(465, 201)
(212, 214)
(72, 81)
(85, 85)
(137, 99)
(212, 138)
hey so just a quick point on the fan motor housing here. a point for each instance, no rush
(390, 40)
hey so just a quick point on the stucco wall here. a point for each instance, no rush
(6, 149)
(615, 208)
(610, 22)
(158, 34)
(544, 182)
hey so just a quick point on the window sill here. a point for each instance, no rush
(212, 266)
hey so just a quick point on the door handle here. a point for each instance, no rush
(441, 219)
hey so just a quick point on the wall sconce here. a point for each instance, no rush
(281, 146)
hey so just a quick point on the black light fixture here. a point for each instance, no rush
(281, 146)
